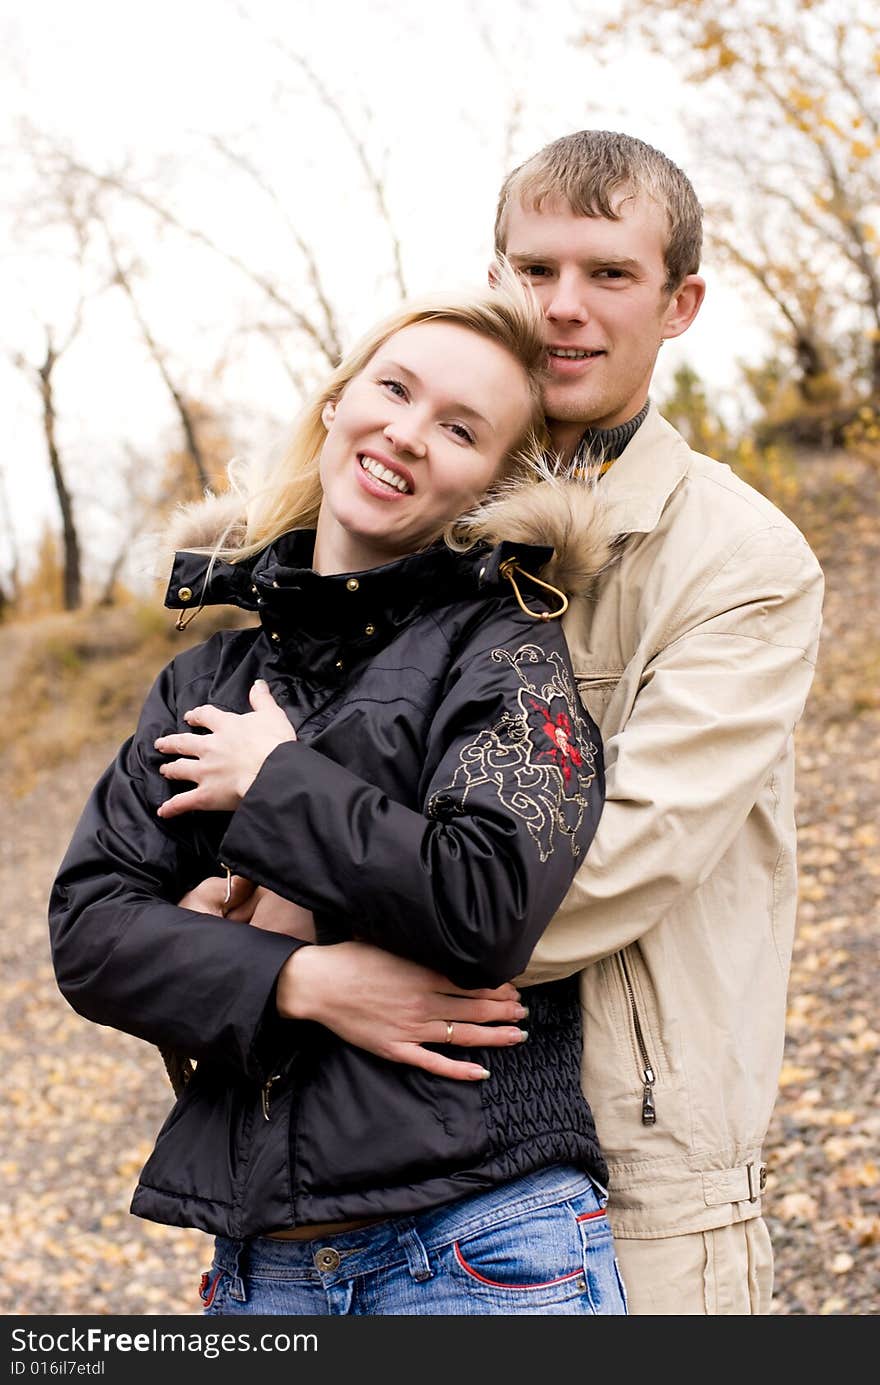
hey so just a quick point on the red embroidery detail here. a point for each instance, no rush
(588, 1216)
(563, 752)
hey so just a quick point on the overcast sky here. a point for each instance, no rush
(430, 89)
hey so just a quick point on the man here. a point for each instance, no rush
(695, 656)
(695, 659)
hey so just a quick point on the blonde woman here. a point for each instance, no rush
(394, 753)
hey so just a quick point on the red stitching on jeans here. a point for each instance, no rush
(588, 1216)
(207, 1301)
(496, 1283)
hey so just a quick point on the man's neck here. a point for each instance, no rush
(594, 444)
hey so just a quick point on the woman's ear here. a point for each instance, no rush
(328, 413)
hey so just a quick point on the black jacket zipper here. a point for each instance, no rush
(282, 1070)
(649, 1110)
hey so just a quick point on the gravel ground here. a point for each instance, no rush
(85, 1102)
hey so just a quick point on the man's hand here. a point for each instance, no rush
(227, 899)
(225, 763)
(392, 1007)
(243, 902)
(279, 915)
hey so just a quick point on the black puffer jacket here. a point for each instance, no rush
(441, 794)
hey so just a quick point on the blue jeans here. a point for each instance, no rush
(538, 1244)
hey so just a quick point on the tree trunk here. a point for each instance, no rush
(72, 566)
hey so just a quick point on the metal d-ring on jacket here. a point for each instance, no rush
(442, 792)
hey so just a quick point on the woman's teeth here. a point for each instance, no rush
(382, 473)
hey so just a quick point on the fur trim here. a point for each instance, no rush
(202, 523)
(567, 515)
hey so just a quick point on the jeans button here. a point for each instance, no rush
(327, 1258)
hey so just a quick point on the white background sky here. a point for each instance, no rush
(429, 86)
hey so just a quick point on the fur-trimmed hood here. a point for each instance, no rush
(549, 511)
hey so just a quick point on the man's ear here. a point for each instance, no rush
(493, 274)
(683, 306)
(328, 413)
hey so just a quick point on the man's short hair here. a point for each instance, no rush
(589, 170)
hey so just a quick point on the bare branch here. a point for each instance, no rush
(120, 185)
(331, 328)
(357, 145)
(184, 413)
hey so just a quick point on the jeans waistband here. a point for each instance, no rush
(391, 1242)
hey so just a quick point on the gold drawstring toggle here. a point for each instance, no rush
(509, 567)
(185, 617)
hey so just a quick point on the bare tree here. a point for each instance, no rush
(791, 134)
(9, 591)
(122, 278)
(43, 375)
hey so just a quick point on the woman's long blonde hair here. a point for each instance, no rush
(290, 498)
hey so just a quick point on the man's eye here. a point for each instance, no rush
(534, 271)
(395, 387)
(611, 273)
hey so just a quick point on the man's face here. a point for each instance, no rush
(601, 286)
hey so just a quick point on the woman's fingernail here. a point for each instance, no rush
(523, 1035)
(483, 1073)
(523, 1013)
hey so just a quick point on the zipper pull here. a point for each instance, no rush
(264, 1095)
(224, 908)
(649, 1111)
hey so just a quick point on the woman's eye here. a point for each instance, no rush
(395, 387)
(461, 432)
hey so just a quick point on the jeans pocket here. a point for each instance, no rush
(526, 1262)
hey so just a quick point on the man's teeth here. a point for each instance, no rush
(382, 473)
(572, 355)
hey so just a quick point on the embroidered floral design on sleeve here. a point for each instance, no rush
(539, 761)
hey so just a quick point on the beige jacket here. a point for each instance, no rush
(694, 655)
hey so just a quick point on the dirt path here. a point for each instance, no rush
(86, 1102)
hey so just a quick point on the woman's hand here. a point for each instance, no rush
(393, 1007)
(224, 763)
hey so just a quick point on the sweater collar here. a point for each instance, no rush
(599, 447)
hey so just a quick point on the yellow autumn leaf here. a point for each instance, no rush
(797, 1207)
(836, 1149)
(791, 1075)
(832, 1305)
(843, 1118)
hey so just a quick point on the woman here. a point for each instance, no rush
(397, 750)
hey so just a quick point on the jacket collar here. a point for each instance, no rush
(331, 624)
(636, 488)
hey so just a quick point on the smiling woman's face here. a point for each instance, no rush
(415, 440)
